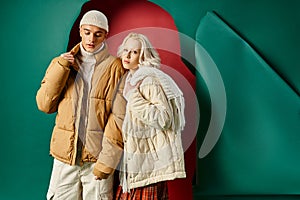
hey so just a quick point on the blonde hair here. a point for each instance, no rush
(148, 55)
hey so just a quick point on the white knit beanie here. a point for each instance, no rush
(96, 18)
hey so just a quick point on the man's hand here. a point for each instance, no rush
(68, 56)
(100, 175)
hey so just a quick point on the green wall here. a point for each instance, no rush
(32, 32)
(271, 26)
(255, 46)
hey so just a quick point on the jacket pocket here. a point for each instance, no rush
(93, 143)
(62, 144)
(152, 149)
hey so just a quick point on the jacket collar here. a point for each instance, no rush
(74, 51)
(103, 54)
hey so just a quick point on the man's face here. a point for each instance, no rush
(92, 37)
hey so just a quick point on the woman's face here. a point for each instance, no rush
(92, 37)
(131, 54)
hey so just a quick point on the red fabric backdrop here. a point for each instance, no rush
(142, 16)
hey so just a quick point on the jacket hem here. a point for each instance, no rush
(152, 180)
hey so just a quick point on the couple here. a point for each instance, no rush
(112, 113)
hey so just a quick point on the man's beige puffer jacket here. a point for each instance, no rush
(60, 92)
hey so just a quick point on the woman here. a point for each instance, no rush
(152, 124)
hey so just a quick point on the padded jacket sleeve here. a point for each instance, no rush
(150, 105)
(52, 85)
(112, 144)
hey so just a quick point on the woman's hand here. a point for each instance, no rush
(130, 87)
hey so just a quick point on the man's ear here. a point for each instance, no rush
(80, 31)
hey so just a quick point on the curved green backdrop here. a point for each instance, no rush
(255, 46)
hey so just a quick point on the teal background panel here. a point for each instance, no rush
(32, 32)
(259, 145)
(272, 27)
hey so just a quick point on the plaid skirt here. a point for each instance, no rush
(156, 191)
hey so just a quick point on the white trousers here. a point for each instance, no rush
(77, 183)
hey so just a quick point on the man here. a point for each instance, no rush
(79, 86)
